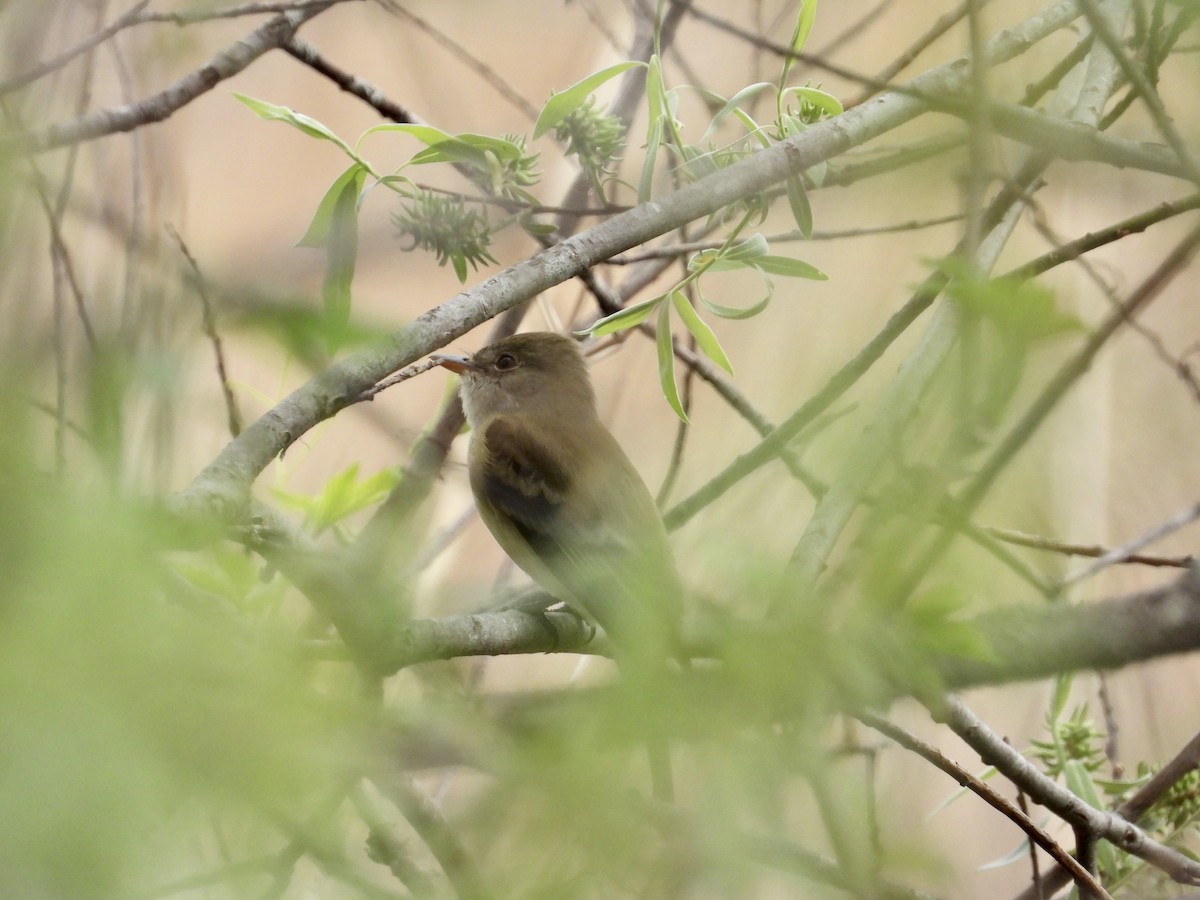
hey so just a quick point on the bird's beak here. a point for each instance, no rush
(459, 364)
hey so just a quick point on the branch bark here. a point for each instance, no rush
(1026, 642)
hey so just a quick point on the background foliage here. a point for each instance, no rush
(890, 304)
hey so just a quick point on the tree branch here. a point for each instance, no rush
(1041, 789)
(221, 488)
(229, 62)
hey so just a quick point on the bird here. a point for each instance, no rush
(563, 500)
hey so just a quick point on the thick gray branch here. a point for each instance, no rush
(1037, 642)
(1026, 642)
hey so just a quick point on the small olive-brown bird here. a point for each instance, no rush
(561, 497)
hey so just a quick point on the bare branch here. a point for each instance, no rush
(1041, 789)
(980, 788)
(229, 62)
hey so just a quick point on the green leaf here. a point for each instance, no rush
(666, 362)
(826, 102)
(985, 775)
(341, 255)
(751, 248)
(653, 142)
(804, 24)
(472, 149)
(1026, 310)
(788, 267)
(469, 148)
(1017, 854)
(654, 89)
(306, 124)
(1079, 781)
(705, 339)
(933, 614)
(534, 227)
(1062, 693)
(801, 208)
(629, 317)
(342, 495)
(561, 105)
(426, 134)
(733, 106)
(318, 229)
(733, 312)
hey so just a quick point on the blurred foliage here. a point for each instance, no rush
(130, 699)
(180, 721)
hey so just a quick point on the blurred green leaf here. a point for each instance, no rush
(343, 495)
(341, 257)
(306, 333)
(322, 221)
(1079, 782)
(1060, 697)
(934, 613)
(1026, 311)
(136, 711)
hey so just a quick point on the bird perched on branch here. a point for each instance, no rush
(561, 497)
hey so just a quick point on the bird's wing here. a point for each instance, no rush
(601, 548)
(529, 485)
(522, 479)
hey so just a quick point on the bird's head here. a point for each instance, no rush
(538, 373)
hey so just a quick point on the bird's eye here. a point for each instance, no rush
(506, 361)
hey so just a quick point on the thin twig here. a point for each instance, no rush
(1125, 552)
(466, 57)
(1093, 551)
(939, 28)
(1062, 802)
(209, 323)
(1133, 225)
(436, 832)
(855, 29)
(388, 849)
(396, 377)
(980, 788)
(1178, 366)
(158, 107)
(44, 68)
(347, 81)
(683, 248)
(1187, 760)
